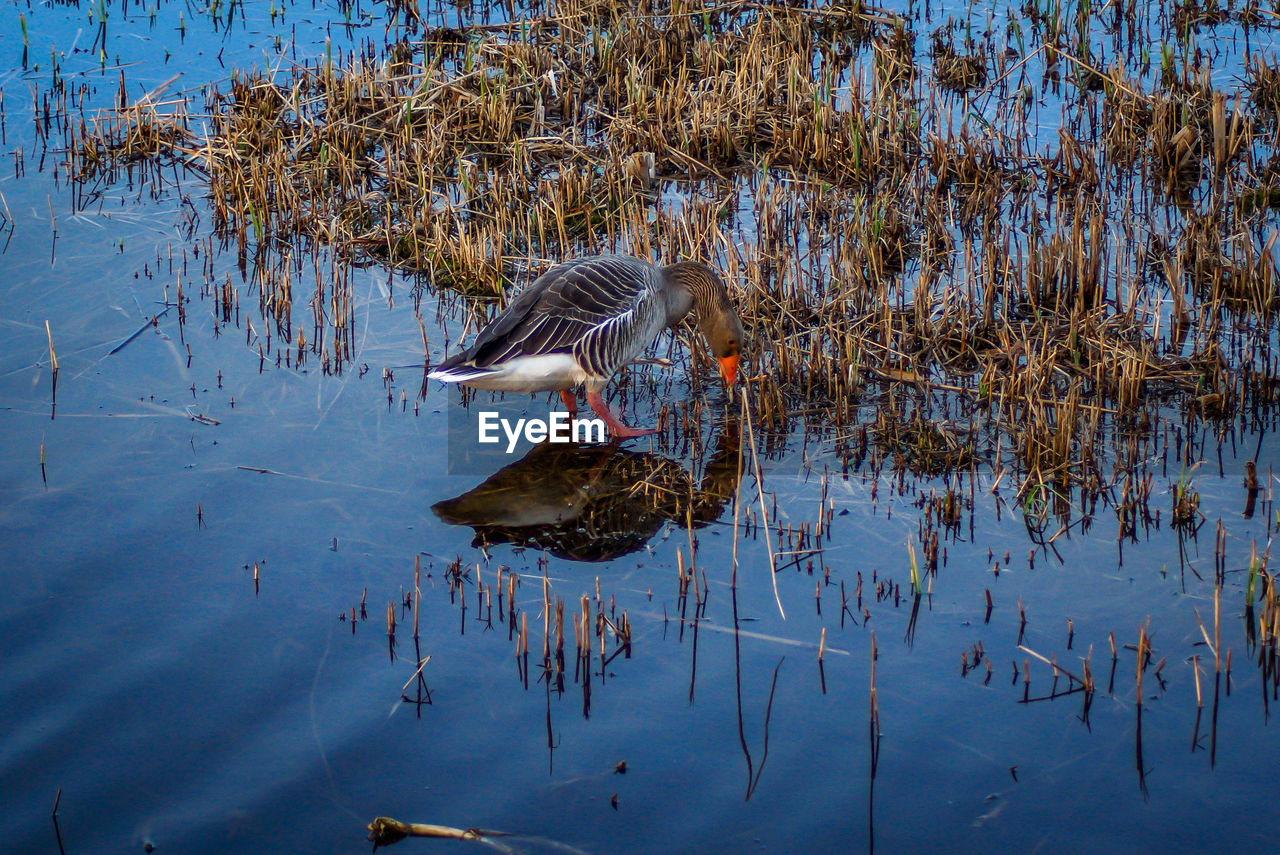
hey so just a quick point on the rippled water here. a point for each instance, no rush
(188, 535)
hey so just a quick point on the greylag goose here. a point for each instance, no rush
(584, 319)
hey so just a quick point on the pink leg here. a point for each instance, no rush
(570, 402)
(621, 431)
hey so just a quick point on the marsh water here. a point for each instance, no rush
(202, 546)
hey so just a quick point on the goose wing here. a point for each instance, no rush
(590, 308)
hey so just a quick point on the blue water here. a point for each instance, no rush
(173, 699)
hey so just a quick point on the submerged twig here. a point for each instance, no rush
(384, 831)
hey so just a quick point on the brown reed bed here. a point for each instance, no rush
(902, 263)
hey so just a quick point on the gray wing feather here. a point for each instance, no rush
(595, 309)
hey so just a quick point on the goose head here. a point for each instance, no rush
(701, 290)
(724, 335)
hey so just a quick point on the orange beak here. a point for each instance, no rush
(729, 369)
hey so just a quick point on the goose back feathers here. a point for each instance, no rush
(583, 320)
(600, 313)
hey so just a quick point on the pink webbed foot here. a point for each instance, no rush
(619, 430)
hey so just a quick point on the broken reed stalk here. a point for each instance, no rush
(914, 567)
(384, 831)
(1053, 664)
(764, 510)
(426, 350)
(693, 561)
(53, 365)
(546, 615)
(1217, 630)
(522, 649)
(418, 672)
(417, 590)
(1142, 650)
(1208, 642)
(53, 357)
(873, 705)
(737, 504)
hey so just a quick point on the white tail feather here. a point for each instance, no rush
(458, 374)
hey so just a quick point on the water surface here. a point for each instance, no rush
(202, 547)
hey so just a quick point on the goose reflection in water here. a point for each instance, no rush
(593, 502)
